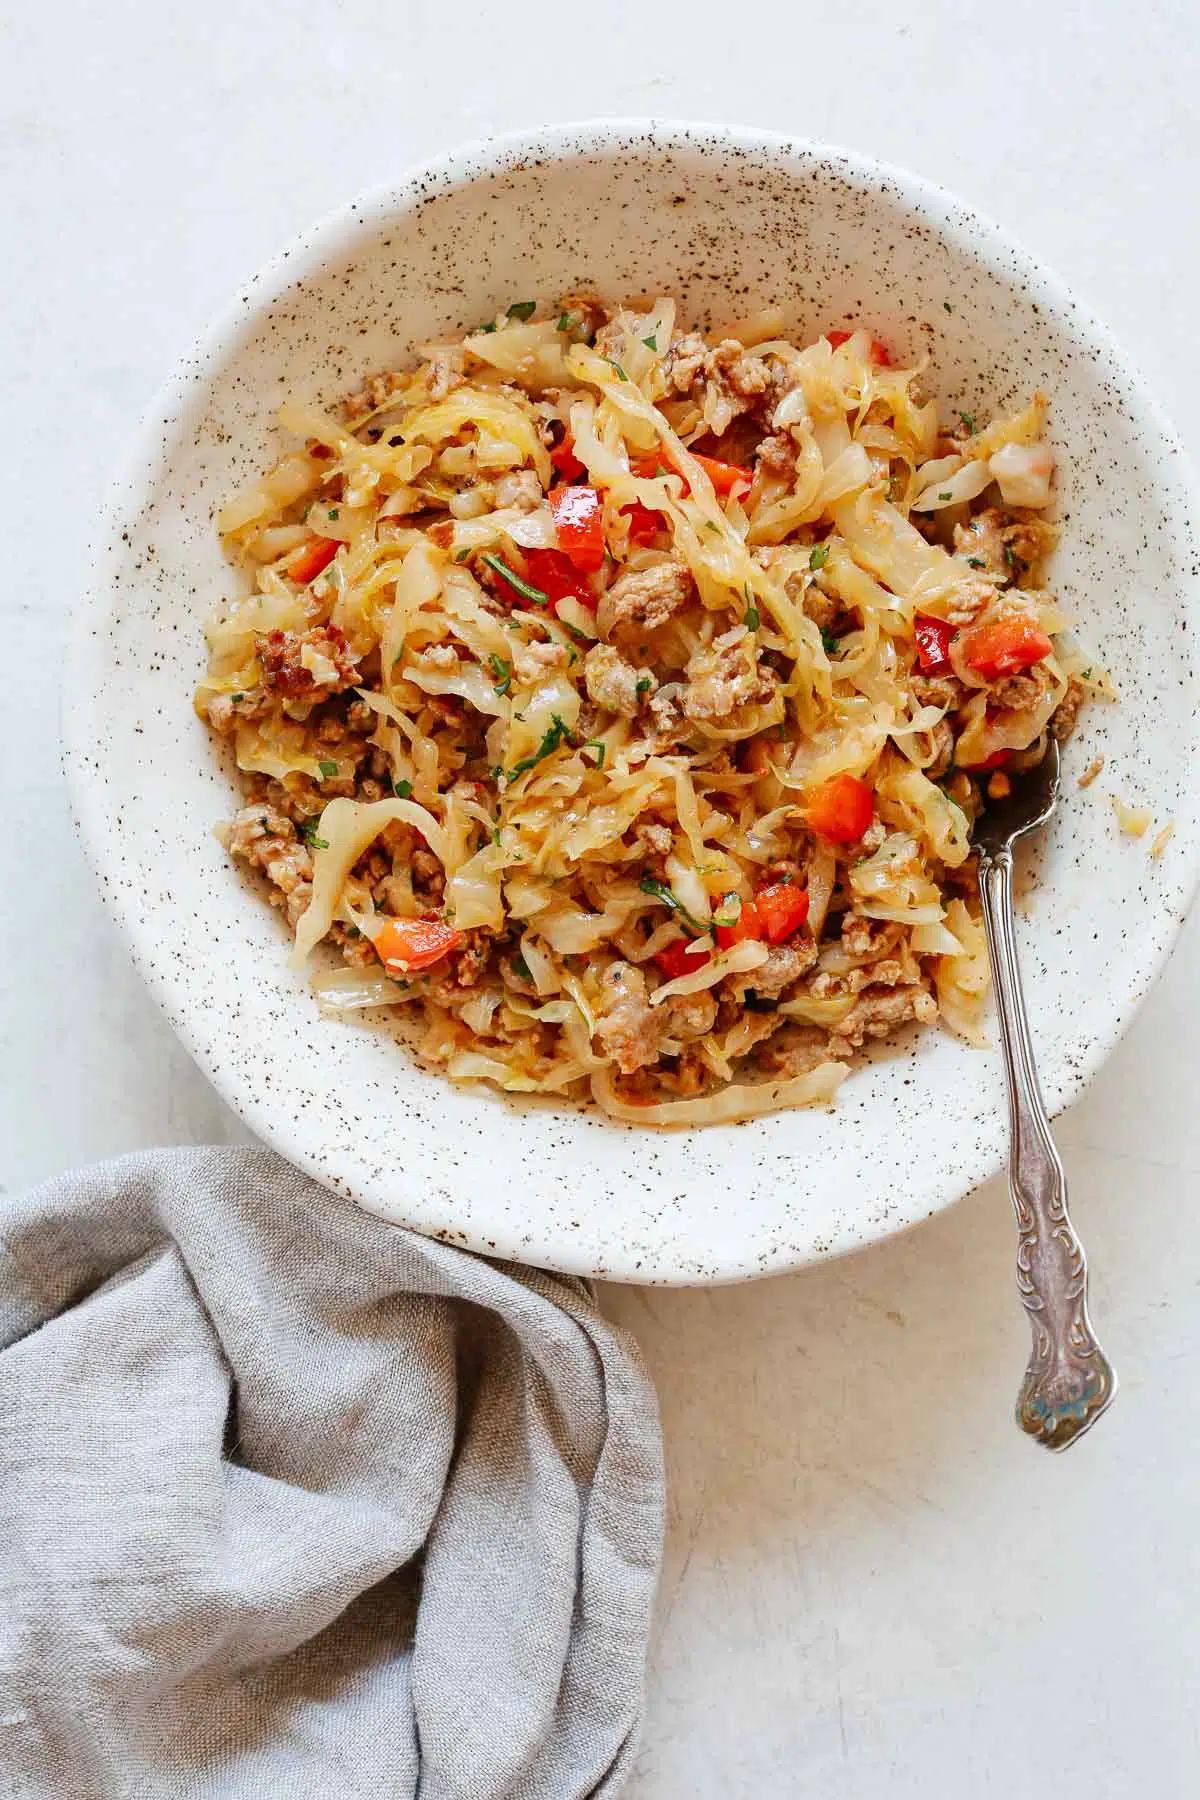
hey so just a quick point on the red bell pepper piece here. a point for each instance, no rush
(410, 944)
(558, 578)
(999, 759)
(680, 958)
(1005, 647)
(782, 909)
(644, 523)
(565, 460)
(840, 809)
(746, 925)
(933, 644)
(725, 477)
(880, 354)
(307, 564)
(579, 525)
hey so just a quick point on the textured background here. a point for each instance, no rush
(873, 1587)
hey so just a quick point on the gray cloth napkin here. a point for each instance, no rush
(296, 1503)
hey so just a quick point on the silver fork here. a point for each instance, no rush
(1069, 1381)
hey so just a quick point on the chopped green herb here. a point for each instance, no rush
(462, 555)
(557, 735)
(1010, 556)
(564, 322)
(402, 789)
(491, 326)
(945, 494)
(328, 769)
(522, 967)
(947, 306)
(976, 562)
(308, 831)
(599, 746)
(819, 557)
(659, 470)
(502, 671)
(499, 567)
(236, 697)
(333, 512)
(829, 642)
(496, 834)
(643, 686)
(750, 618)
(968, 421)
(659, 890)
(651, 342)
(522, 309)
(617, 367)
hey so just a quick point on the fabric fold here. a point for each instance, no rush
(295, 1502)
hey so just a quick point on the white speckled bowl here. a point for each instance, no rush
(728, 221)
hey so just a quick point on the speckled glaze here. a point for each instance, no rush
(728, 221)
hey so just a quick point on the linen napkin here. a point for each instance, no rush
(297, 1503)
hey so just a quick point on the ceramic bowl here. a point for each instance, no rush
(727, 221)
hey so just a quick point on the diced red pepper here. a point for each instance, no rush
(679, 959)
(782, 909)
(558, 578)
(579, 526)
(933, 644)
(307, 564)
(565, 460)
(725, 477)
(880, 354)
(999, 759)
(1005, 647)
(411, 944)
(747, 924)
(644, 523)
(840, 809)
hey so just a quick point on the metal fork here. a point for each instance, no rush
(1069, 1381)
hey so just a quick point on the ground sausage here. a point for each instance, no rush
(644, 599)
(307, 665)
(614, 684)
(878, 1012)
(627, 1027)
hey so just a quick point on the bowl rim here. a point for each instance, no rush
(335, 233)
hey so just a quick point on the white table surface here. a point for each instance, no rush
(872, 1586)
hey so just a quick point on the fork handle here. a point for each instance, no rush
(1069, 1381)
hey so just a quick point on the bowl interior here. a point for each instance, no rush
(727, 223)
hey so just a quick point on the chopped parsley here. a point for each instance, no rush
(968, 421)
(328, 769)
(829, 643)
(491, 326)
(502, 671)
(651, 342)
(402, 789)
(522, 309)
(462, 555)
(1010, 556)
(750, 618)
(947, 306)
(496, 834)
(819, 557)
(308, 831)
(658, 890)
(643, 686)
(522, 967)
(234, 698)
(599, 746)
(499, 567)
(945, 494)
(617, 367)
(557, 735)
(564, 322)
(976, 562)
(333, 512)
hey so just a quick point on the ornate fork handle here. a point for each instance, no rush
(1069, 1381)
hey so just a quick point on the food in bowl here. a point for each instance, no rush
(618, 700)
